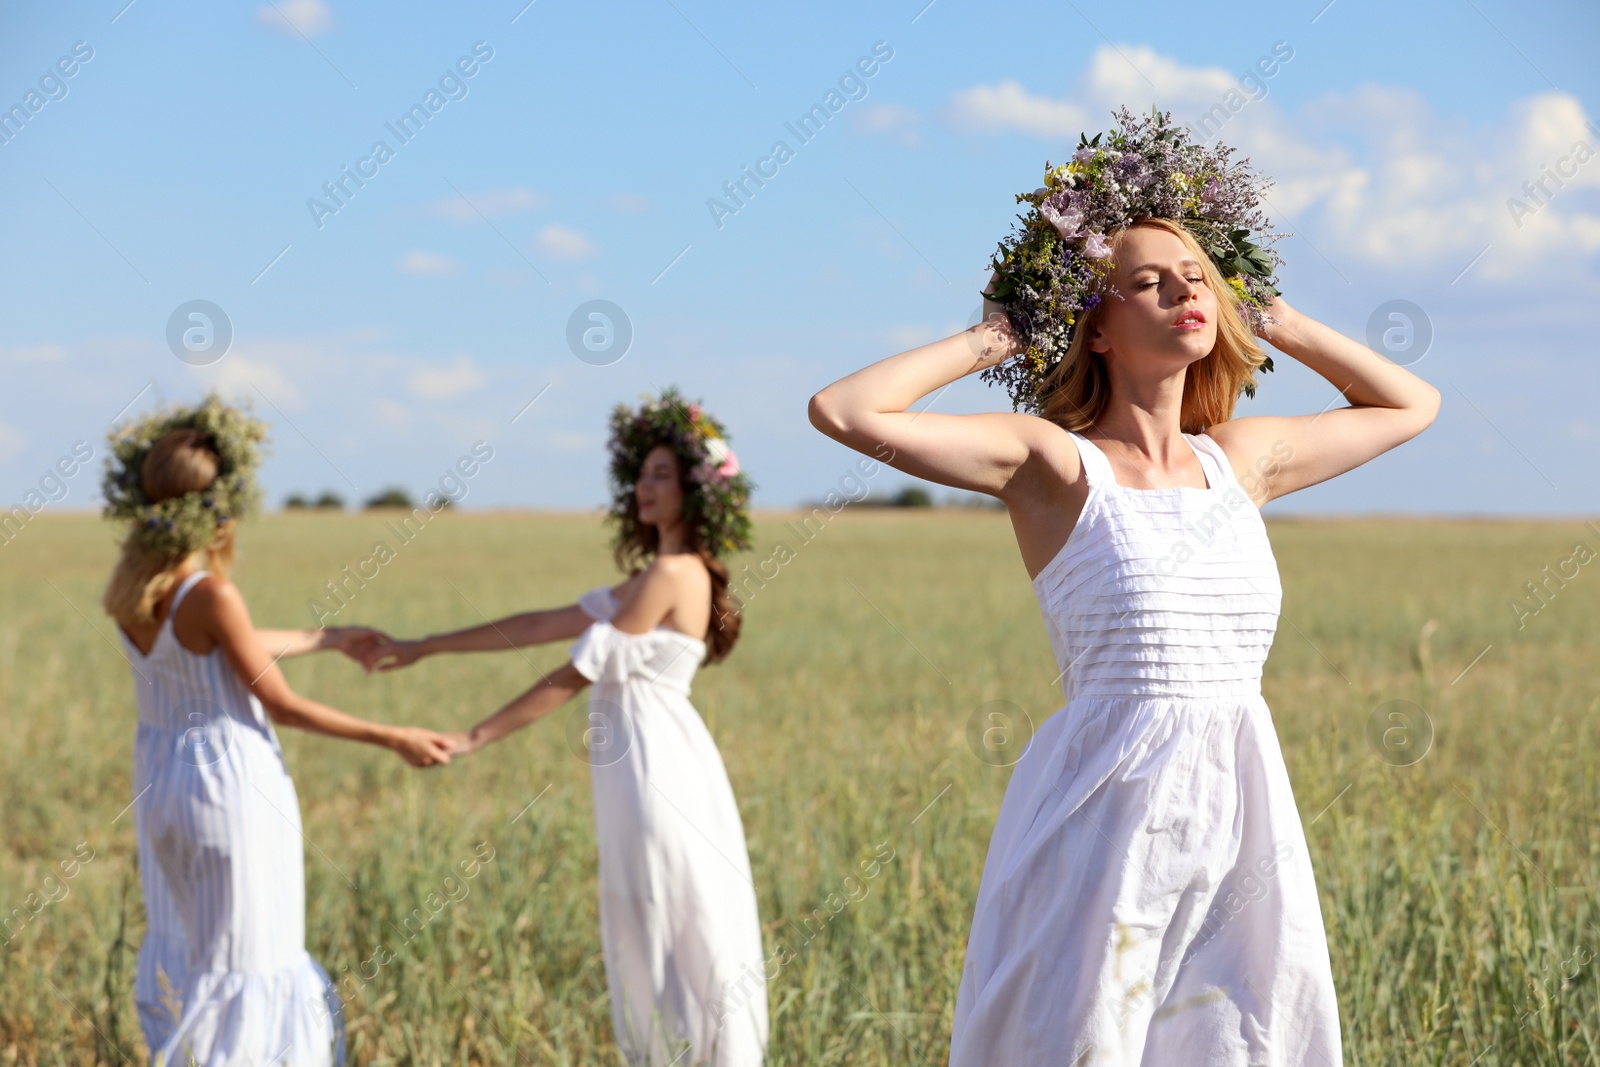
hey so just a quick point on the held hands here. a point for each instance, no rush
(421, 748)
(360, 643)
(392, 655)
(376, 650)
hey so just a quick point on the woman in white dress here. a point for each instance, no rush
(223, 975)
(678, 920)
(1148, 896)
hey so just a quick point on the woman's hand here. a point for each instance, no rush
(1286, 319)
(461, 743)
(1386, 406)
(419, 747)
(360, 643)
(395, 654)
(994, 340)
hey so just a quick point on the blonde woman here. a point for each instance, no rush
(1148, 896)
(223, 973)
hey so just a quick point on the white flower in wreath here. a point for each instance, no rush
(720, 460)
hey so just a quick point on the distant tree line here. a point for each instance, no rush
(392, 497)
(910, 496)
(914, 496)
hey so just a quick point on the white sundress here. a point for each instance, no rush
(1148, 896)
(678, 918)
(223, 974)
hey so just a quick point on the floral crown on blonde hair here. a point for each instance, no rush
(1052, 269)
(717, 506)
(181, 525)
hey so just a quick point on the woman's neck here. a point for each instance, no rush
(670, 540)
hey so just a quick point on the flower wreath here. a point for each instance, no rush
(182, 525)
(1052, 268)
(718, 503)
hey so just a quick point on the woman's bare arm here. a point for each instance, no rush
(353, 641)
(513, 631)
(867, 411)
(645, 604)
(1388, 406)
(544, 697)
(220, 610)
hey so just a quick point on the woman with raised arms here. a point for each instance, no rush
(1148, 895)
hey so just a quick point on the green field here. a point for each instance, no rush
(1459, 890)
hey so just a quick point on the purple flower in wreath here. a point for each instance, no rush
(1097, 247)
(1062, 212)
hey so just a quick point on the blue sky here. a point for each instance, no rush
(576, 161)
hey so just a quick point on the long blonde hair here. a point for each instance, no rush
(183, 461)
(1077, 389)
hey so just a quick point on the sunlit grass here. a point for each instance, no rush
(1459, 890)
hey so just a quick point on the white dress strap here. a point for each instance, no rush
(183, 591)
(1096, 467)
(1219, 471)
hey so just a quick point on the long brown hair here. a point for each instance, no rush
(638, 543)
(1078, 388)
(183, 461)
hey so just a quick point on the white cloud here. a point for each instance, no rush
(45, 353)
(908, 336)
(392, 413)
(570, 442)
(562, 242)
(239, 374)
(311, 18)
(895, 120)
(1374, 176)
(1139, 76)
(427, 263)
(986, 108)
(883, 118)
(12, 442)
(1579, 430)
(488, 203)
(442, 383)
(630, 202)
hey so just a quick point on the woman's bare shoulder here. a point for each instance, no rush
(680, 569)
(211, 594)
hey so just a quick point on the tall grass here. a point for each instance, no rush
(1459, 890)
